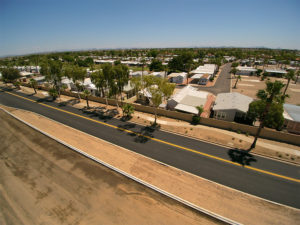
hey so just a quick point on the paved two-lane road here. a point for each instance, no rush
(223, 83)
(203, 159)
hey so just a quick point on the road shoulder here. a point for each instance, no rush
(216, 198)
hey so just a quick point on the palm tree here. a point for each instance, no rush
(237, 79)
(289, 76)
(33, 84)
(271, 94)
(233, 71)
(53, 93)
(86, 94)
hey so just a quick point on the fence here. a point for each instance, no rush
(265, 133)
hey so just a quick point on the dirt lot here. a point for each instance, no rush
(217, 198)
(43, 182)
(249, 85)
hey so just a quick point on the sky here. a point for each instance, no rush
(29, 26)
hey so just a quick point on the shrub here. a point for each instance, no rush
(127, 110)
(196, 120)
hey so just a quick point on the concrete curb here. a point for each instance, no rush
(174, 197)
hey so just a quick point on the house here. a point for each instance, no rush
(245, 70)
(231, 106)
(87, 83)
(138, 73)
(159, 74)
(187, 99)
(202, 78)
(177, 78)
(40, 79)
(25, 74)
(291, 115)
(205, 69)
(275, 72)
(68, 82)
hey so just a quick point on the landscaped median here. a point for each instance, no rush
(227, 202)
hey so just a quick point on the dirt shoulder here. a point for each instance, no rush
(43, 182)
(219, 199)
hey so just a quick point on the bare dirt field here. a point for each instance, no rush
(43, 182)
(249, 85)
(211, 196)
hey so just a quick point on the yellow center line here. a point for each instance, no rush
(161, 141)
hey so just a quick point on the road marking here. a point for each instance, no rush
(161, 141)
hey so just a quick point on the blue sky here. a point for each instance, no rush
(28, 26)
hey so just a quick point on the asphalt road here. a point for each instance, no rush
(250, 180)
(223, 82)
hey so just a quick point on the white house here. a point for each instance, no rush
(187, 99)
(202, 78)
(231, 106)
(291, 115)
(177, 78)
(245, 70)
(206, 69)
(275, 72)
(138, 73)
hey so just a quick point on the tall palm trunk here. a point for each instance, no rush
(262, 123)
(286, 87)
(155, 118)
(87, 102)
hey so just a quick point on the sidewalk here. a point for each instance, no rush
(230, 139)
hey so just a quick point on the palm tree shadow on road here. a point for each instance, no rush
(241, 156)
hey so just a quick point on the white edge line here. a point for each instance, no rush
(157, 161)
(174, 197)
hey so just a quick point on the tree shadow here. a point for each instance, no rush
(100, 112)
(69, 102)
(241, 156)
(46, 99)
(141, 136)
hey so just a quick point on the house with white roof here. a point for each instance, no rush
(231, 106)
(245, 70)
(177, 78)
(187, 99)
(206, 69)
(138, 73)
(159, 74)
(87, 83)
(275, 72)
(291, 115)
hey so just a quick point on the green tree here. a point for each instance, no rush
(137, 84)
(77, 75)
(272, 94)
(33, 84)
(53, 92)
(99, 80)
(236, 81)
(86, 94)
(156, 65)
(181, 63)
(258, 72)
(200, 110)
(233, 71)
(10, 75)
(289, 76)
(128, 110)
(274, 119)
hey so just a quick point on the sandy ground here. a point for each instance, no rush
(249, 85)
(269, 148)
(219, 199)
(43, 182)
